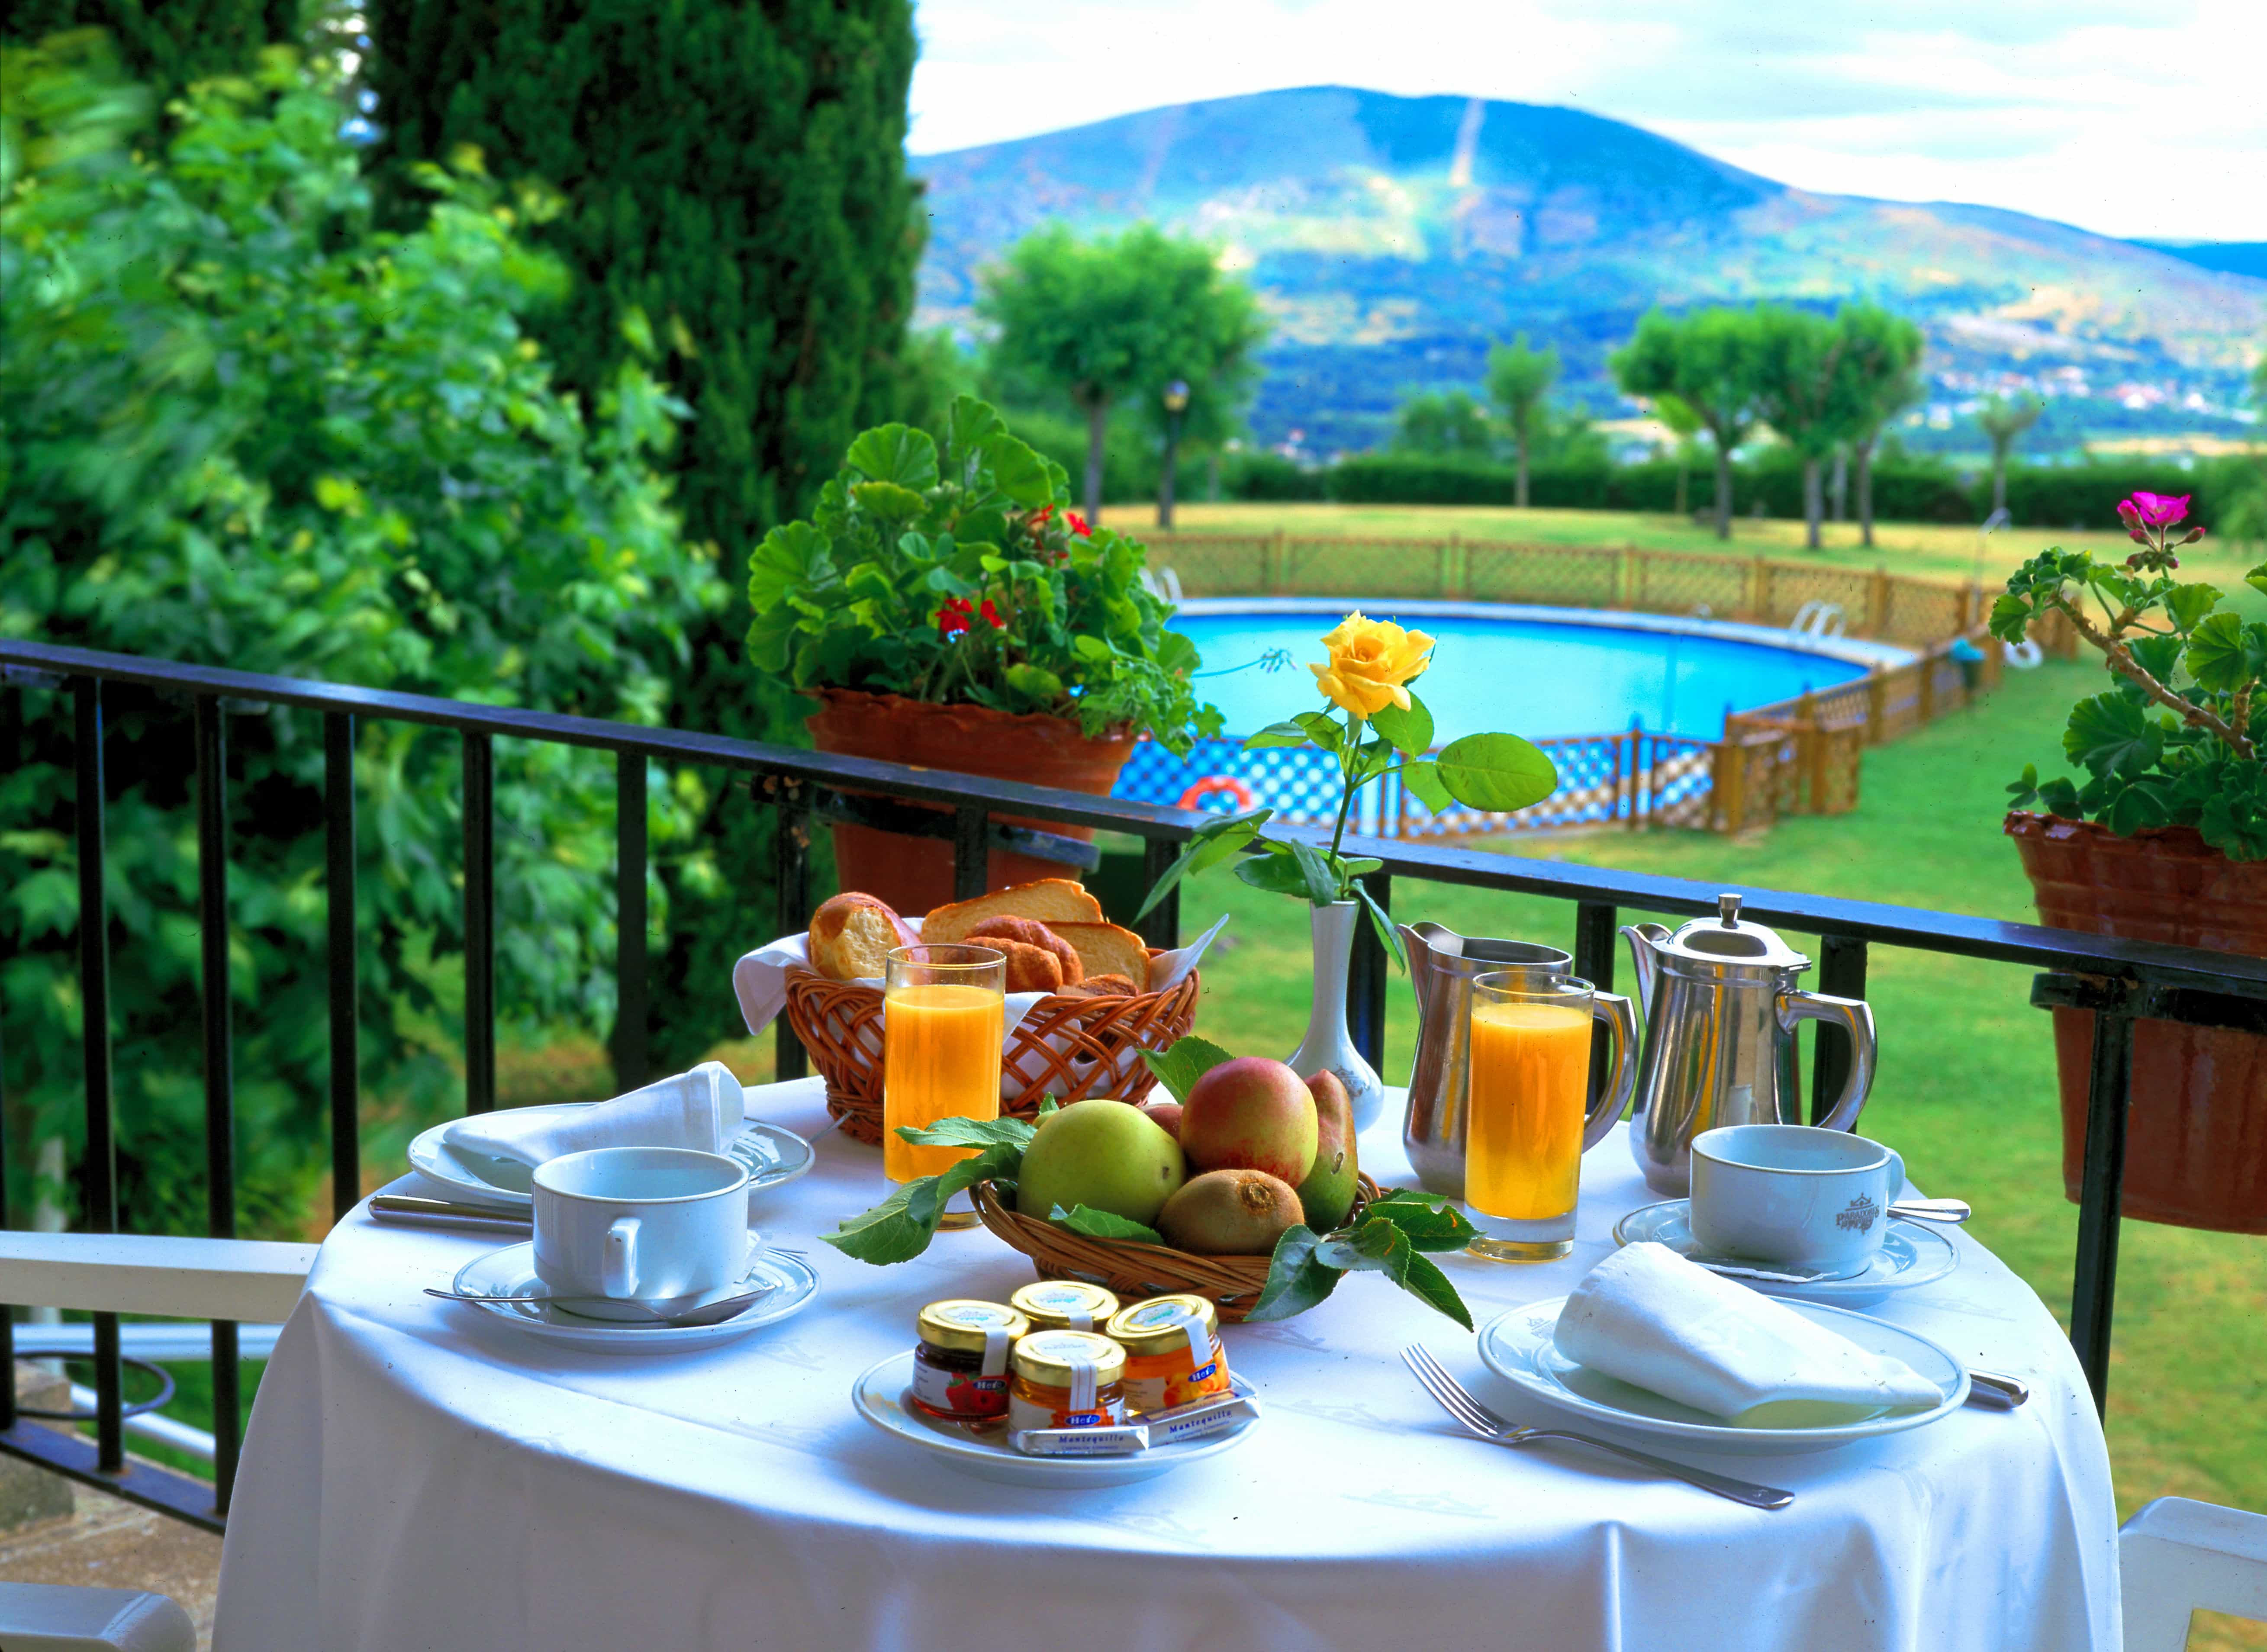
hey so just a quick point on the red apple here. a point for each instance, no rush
(1168, 1115)
(1250, 1115)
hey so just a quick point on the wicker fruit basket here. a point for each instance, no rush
(1129, 1267)
(1068, 1047)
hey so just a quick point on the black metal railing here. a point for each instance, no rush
(2120, 980)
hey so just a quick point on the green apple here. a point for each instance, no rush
(1107, 1154)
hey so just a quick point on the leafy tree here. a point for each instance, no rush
(244, 429)
(1450, 423)
(1518, 378)
(1712, 361)
(1810, 394)
(1108, 320)
(735, 170)
(1884, 354)
(166, 47)
(2002, 422)
(1683, 424)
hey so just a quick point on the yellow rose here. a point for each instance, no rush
(1370, 661)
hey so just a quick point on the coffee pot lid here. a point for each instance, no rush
(1724, 940)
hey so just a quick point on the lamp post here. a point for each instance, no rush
(1177, 403)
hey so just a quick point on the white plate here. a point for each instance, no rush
(774, 1155)
(1912, 1253)
(511, 1272)
(1518, 1347)
(880, 1398)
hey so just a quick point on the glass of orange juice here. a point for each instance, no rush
(1530, 1089)
(943, 1015)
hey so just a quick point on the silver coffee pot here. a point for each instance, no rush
(1720, 1013)
(1442, 965)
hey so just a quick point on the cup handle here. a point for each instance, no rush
(1613, 1099)
(617, 1269)
(1897, 1173)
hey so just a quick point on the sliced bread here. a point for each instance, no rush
(1104, 949)
(1049, 899)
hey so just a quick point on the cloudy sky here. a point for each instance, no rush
(2131, 117)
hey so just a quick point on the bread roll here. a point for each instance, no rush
(1031, 932)
(1030, 969)
(852, 937)
(1049, 899)
(1104, 949)
(1107, 986)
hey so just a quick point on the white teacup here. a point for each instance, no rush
(1806, 1198)
(640, 1224)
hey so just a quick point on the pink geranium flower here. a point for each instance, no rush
(2156, 509)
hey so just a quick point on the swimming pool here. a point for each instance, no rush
(1542, 673)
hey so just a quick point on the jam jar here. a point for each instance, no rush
(960, 1367)
(1064, 1305)
(1067, 1379)
(1173, 1352)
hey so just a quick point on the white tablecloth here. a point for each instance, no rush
(417, 1476)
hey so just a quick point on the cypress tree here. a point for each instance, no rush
(166, 46)
(734, 172)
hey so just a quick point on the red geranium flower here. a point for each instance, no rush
(952, 618)
(991, 614)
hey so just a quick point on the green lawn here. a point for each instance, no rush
(1966, 1090)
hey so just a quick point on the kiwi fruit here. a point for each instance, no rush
(1230, 1213)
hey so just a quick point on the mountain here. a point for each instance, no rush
(1395, 239)
(2237, 258)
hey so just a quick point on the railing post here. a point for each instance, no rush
(211, 734)
(99, 1170)
(1841, 974)
(2093, 1285)
(791, 881)
(345, 976)
(1366, 970)
(629, 1050)
(479, 923)
(1595, 935)
(971, 853)
(1729, 779)
(1162, 929)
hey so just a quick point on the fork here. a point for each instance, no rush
(1458, 1401)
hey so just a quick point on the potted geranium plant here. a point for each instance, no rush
(1383, 729)
(948, 609)
(2165, 840)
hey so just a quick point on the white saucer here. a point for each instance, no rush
(774, 1155)
(879, 1396)
(1518, 1346)
(511, 1272)
(1912, 1253)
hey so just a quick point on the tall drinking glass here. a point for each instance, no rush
(1531, 1077)
(943, 1015)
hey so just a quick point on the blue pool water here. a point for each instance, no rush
(1538, 672)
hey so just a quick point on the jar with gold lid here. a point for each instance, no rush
(1173, 1352)
(960, 1367)
(1067, 1379)
(1064, 1305)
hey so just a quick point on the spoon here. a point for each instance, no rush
(707, 1313)
(1952, 1212)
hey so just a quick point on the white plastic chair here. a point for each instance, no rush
(2177, 1556)
(48, 1618)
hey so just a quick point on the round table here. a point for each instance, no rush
(417, 1476)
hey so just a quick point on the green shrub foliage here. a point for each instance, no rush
(166, 46)
(242, 428)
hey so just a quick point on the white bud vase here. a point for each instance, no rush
(1329, 1045)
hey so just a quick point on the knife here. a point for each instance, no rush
(409, 1211)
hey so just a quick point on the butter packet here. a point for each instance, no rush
(1122, 1439)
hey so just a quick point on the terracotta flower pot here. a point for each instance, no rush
(2195, 1151)
(915, 874)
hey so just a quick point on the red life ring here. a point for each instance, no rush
(1211, 784)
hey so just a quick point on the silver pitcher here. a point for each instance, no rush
(1442, 965)
(1720, 1013)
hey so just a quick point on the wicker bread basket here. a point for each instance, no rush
(1129, 1267)
(1068, 1047)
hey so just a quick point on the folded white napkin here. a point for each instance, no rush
(699, 1109)
(1654, 1319)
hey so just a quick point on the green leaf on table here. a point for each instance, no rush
(1498, 772)
(1295, 1280)
(1273, 870)
(901, 1226)
(978, 1132)
(1431, 1221)
(1103, 1224)
(1189, 1059)
(1410, 731)
(1274, 735)
(1321, 877)
(1429, 1285)
(1212, 844)
(1422, 778)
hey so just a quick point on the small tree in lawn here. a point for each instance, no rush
(1883, 355)
(1116, 318)
(1683, 424)
(1712, 362)
(1810, 396)
(2002, 422)
(1448, 424)
(1518, 378)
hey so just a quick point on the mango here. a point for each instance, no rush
(1229, 1213)
(1102, 1154)
(1327, 1193)
(1168, 1115)
(1250, 1115)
